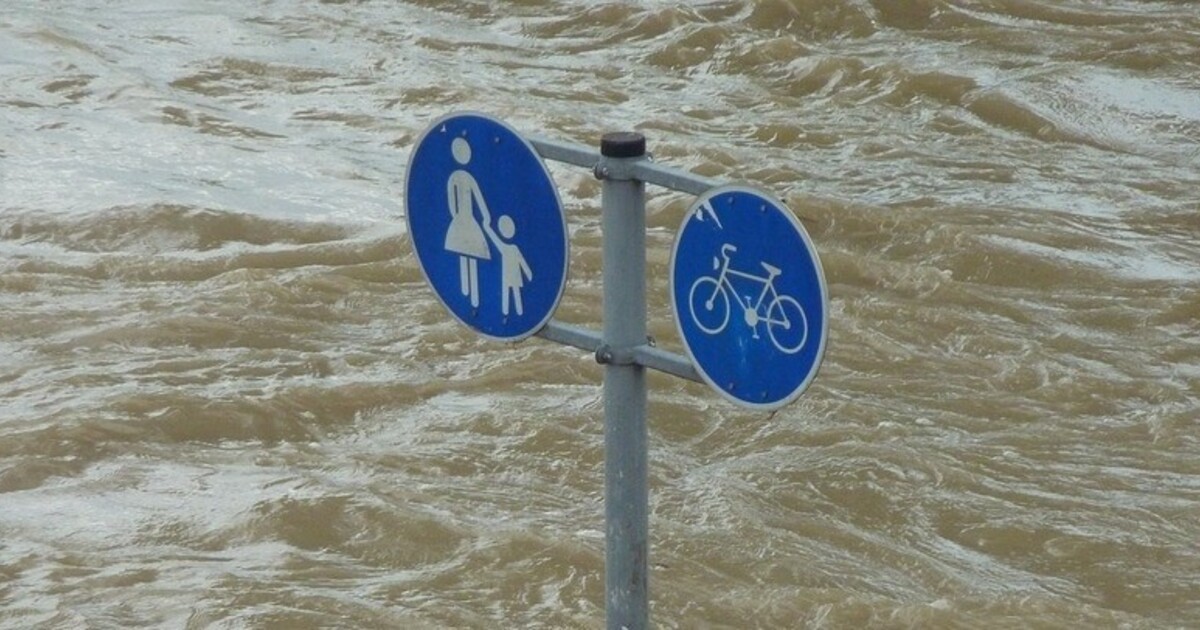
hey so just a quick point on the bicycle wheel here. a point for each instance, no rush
(787, 325)
(709, 305)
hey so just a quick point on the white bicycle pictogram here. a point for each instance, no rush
(708, 301)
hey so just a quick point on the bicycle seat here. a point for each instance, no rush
(772, 270)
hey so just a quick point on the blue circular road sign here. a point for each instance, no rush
(749, 297)
(487, 225)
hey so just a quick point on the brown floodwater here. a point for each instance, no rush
(228, 400)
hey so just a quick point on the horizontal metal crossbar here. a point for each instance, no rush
(568, 152)
(644, 355)
(643, 170)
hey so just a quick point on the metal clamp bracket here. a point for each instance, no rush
(608, 355)
(618, 169)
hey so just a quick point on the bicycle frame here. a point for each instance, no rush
(768, 283)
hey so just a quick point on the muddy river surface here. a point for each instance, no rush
(229, 400)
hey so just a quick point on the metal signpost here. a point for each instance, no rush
(746, 285)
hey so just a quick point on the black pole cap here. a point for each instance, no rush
(623, 144)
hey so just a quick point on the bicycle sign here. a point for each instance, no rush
(709, 299)
(749, 297)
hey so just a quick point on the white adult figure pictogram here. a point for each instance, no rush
(514, 270)
(465, 236)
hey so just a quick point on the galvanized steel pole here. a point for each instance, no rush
(626, 497)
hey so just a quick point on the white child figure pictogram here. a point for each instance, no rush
(514, 270)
